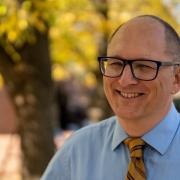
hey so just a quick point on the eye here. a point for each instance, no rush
(115, 63)
(145, 65)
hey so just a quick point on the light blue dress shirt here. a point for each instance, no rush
(97, 152)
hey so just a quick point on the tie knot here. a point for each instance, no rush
(135, 146)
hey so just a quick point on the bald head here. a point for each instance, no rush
(149, 26)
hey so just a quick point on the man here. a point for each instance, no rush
(141, 75)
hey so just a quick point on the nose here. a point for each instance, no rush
(127, 77)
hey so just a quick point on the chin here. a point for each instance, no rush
(128, 114)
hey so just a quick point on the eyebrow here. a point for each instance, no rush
(143, 59)
(140, 58)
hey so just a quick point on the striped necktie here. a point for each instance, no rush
(136, 168)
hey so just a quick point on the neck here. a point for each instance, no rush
(139, 127)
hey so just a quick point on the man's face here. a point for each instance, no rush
(133, 99)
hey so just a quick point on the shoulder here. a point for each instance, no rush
(98, 128)
(91, 134)
(86, 143)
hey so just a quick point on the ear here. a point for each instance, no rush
(176, 81)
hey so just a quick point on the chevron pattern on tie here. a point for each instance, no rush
(136, 168)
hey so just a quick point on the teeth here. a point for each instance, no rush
(129, 95)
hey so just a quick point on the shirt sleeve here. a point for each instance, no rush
(58, 168)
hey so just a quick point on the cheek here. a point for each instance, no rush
(164, 89)
(108, 88)
(168, 82)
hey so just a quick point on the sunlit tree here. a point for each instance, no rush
(33, 35)
(26, 69)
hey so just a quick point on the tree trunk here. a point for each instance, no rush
(30, 87)
(102, 8)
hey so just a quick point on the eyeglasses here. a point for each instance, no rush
(145, 70)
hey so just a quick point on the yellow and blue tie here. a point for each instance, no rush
(136, 168)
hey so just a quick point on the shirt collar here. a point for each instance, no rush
(118, 136)
(159, 137)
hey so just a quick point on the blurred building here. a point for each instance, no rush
(8, 118)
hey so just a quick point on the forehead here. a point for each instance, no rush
(141, 36)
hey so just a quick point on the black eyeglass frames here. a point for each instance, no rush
(146, 70)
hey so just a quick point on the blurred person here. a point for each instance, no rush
(176, 101)
(71, 108)
(141, 74)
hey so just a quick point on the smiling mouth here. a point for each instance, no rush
(129, 95)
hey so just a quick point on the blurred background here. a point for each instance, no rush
(50, 84)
